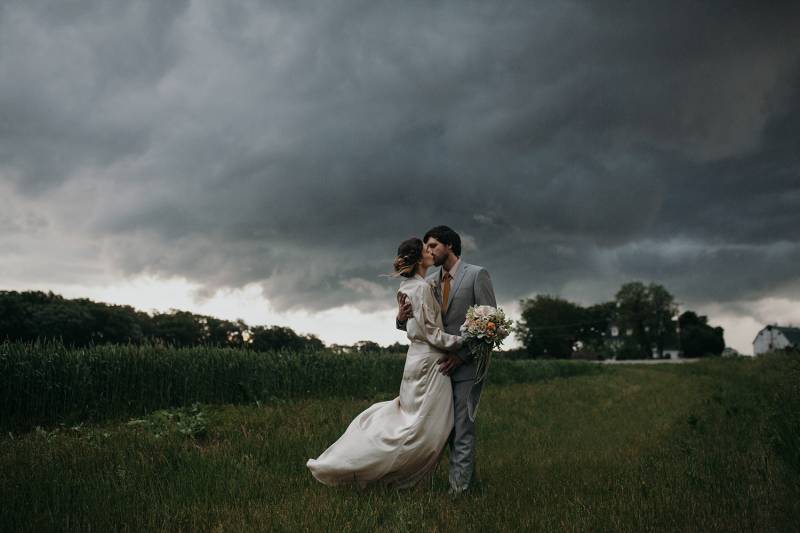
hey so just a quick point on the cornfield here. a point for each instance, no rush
(46, 382)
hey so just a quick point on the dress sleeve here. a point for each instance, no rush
(424, 326)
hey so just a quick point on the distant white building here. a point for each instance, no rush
(776, 338)
(615, 339)
(730, 352)
(670, 352)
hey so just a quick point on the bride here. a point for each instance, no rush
(398, 441)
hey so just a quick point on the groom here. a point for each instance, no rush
(457, 286)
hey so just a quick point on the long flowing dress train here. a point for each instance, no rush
(397, 442)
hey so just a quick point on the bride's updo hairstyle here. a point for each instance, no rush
(409, 254)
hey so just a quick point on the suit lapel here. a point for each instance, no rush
(436, 277)
(456, 283)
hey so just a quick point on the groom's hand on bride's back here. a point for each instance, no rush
(448, 363)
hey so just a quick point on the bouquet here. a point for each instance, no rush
(484, 330)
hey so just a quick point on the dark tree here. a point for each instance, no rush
(633, 313)
(396, 348)
(661, 320)
(312, 343)
(217, 332)
(550, 326)
(697, 338)
(367, 347)
(597, 320)
(118, 324)
(648, 312)
(272, 338)
(179, 328)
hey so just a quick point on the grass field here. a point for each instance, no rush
(712, 446)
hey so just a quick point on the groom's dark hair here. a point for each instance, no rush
(446, 236)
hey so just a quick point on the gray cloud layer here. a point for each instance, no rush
(295, 144)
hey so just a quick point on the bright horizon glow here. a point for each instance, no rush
(348, 325)
(342, 325)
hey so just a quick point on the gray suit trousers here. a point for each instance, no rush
(462, 439)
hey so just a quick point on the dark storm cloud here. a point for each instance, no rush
(67, 73)
(295, 145)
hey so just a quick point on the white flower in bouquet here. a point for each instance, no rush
(484, 330)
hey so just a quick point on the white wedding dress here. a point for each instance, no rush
(398, 441)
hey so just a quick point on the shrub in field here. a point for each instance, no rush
(188, 421)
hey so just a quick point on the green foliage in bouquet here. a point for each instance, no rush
(485, 328)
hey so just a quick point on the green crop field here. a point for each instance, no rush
(562, 446)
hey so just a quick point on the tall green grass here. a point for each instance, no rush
(711, 446)
(44, 383)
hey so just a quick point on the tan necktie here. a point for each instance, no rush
(445, 291)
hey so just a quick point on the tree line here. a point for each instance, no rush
(33, 315)
(641, 322)
(644, 317)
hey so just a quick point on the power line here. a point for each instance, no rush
(556, 326)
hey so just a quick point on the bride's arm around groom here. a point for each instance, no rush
(425, 324)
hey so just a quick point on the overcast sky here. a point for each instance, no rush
(263, 159)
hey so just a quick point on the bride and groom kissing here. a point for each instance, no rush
(398, 442)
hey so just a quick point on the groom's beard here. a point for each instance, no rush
(439, 261)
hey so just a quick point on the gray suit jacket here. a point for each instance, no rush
(471, 286)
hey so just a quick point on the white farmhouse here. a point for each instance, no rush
(775, 338)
